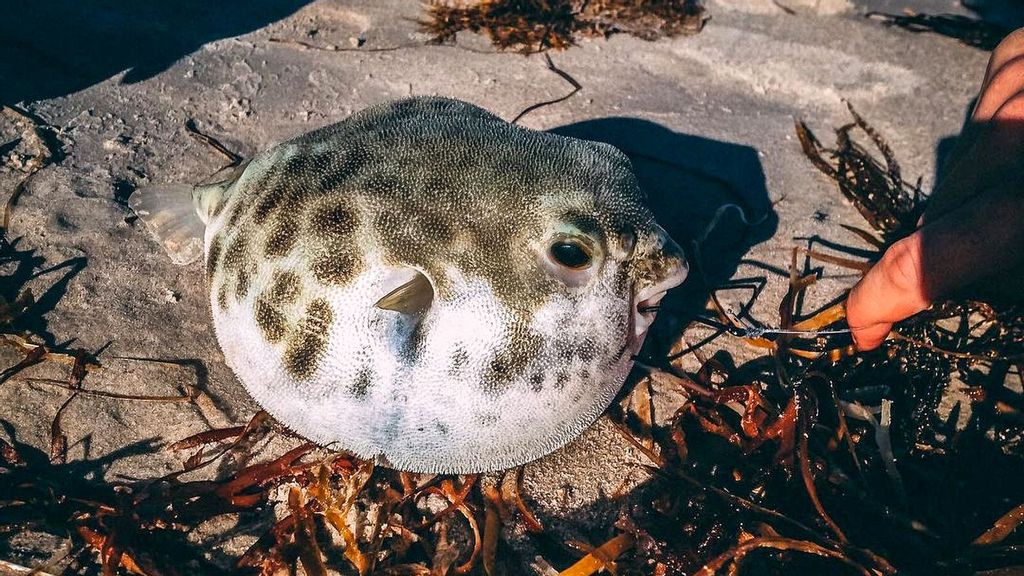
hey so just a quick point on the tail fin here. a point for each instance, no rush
(170, 216)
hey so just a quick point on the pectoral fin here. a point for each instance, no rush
(169, 215)
(413, 298)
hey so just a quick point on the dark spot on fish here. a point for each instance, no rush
(376, 322)
(213, 258)
(522, 346)
(335, 267)
(237, 252)
(571, 350)
(584, 374)
(244, 281)
(382, 183)
(265, 207)
(222, 296)
(308, 342)
(435, 229)
(333, 220)
(497, 375)
(459, 359)
(577, 396)
(297, 164)
(236, 214)
(270, 321)
(562, 379)
(335, 258)
(486, 419)
(537, 381)
(283, 186)
(565, 349)
(442, 428)
(281, 239)
(587, 349)
(341, 174)
(361, 385)
(285, 287)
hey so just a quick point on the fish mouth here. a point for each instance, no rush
(647, 302)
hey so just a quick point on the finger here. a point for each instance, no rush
(871, 337)
(1005, 82)
(1011, 112)
(1008, 49)
(1004, 78)
(979, 240)
(892, 290)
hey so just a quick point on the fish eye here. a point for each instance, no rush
(571, 253)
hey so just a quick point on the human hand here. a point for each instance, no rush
(970, 240)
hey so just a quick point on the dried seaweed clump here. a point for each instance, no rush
(326, 513)
(878, 191)
(535, 25)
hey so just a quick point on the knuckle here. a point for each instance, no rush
(903, 268)
(1009, 76)
(1013, 108)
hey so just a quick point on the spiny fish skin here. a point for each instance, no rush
(509, 354)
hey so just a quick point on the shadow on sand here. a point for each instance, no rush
(52, 48)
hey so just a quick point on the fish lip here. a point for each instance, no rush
(645, 303)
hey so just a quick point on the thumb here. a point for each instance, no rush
(893, 289)
(981, 239)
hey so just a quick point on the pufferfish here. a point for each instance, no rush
(425, 284)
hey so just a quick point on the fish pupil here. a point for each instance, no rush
(570, 254)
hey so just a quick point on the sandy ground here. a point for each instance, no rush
(708, 119)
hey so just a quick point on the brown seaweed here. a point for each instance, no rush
(536, 25)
